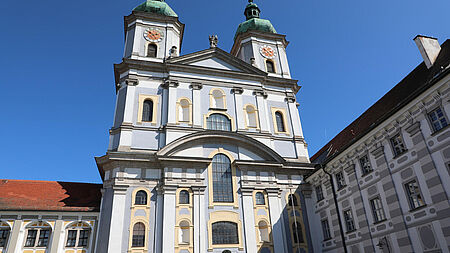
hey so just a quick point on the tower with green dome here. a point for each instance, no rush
(257, 42)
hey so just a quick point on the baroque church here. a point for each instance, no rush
(206, 153)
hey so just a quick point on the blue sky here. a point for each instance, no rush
(57, 84)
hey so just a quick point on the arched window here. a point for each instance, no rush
(222, 179)
(78, 235)
(184, 235)
(38, 235)
(224, 232)
(183, 197)
(4, 234)
(141, 198)
(226, 251)
(218, 121)
(259, 197)
(251, 116)
(280, 122)
(138, 235)
(297, 232)
(263, 231)
(270, 66)
(147, 113)
(184, 111)
(217, 99)
(293, 200)
(151, 50)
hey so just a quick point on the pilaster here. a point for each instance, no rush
(262, 110)
(200, 240)
(169, 217)
(58, 237)
(249, 219)
(14, 245)
(279, 241)
(116, 236)
(240, 116)
(171, 108)
(196, 104)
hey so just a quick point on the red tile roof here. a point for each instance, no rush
(23, 195)
(420, 79)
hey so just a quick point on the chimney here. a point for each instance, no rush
(429, 49)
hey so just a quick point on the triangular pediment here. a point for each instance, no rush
(216, 59)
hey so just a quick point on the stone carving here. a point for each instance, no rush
(213, 41)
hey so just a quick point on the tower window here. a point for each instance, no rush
(138, 235)
(224, 232)
(280, 122)
(297, 233)
(293, 200)
(184, 235)
(141, 198)
(270, 66)
(151, 50)
(147, 113)
(218, 121)
(259, 198)
(183, 197)
(263, 231)
(222, 179)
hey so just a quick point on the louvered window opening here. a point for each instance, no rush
(141, 198)
(280, 122)
(4, 234)
(222, 179)
(183, 197)
(259, 197)
(147, 112)
(270, 67)
(225, 233)
(218, 122)
(138, 235)
(438, 119)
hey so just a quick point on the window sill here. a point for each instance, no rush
(342, 187)
(399, 155)
(320, 200)
(366, 174)
(351, 231)
(327, 239)
(378, 222)
(417, 209)
(440, 130)
(218, 109)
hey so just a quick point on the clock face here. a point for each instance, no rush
(267, 51)
(153, 35)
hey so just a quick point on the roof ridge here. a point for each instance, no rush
(43, 181)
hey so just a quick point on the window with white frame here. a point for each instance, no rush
(414, 196)
(398, 145)
(349, 222)
(377, 209)
(437, 119)
(37, 237)
(78, 235)
(340, 180)
(4, 234)
(319, 193)
(366, 167)
(326, 230)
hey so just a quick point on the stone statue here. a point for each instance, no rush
(213, 41)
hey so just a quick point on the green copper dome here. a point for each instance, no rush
(254, 23)
(156, 6)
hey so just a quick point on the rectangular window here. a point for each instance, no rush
(319, 193)
(349, 223)
(326, 230)
(414, 196)
(366, 168)
(31, 238)
(377, 210)
(84, 238)
(4, 238)
(340, 180)
(437, 119)
(397, 145)
(71, 238)
(44, 235)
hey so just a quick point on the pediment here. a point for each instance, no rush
(215, 58)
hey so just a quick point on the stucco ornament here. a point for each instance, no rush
(153, 35)
(267, 52)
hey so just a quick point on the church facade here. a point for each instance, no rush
(206, 153)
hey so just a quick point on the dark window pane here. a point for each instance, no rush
(71, 238)
(147, 112)
(141, 198)
(280, 122)
(4, 237)
(84, 238)
(365, 165)
(259, 197)
(138, 235)
(44, 235)
(377, 210)
(348, 218)
(319, 193)
(151, 50)
(292, 200)
(326, 230)
(225, 233)
(397, 145)
(183, 197)
(438, 120)
(222, 179)
(31, 238)
(297, 233)
(270, 67)
(218, 122)
(415, 198)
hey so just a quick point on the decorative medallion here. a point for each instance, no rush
(153, 35)
(267, 52)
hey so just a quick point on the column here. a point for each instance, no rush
(277, 220)
(14, 244)
(262, 110)
(168, 227)
(159, 221)
(58, 236)
(116, 236)
(197, 117)
(172, 103)
(249, 219)
(199, 219)
(240, 116)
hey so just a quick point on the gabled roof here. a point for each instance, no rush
(24, 195)
(216, 58)
(420, 79)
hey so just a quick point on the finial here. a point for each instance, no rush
(250, 1)
(213, 41)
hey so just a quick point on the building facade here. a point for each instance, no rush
(206, 152)
(382, 184)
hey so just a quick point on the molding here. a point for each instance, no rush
(413, 128)
(237, 90)
(196, 86)
(260, 93)
(131, 81)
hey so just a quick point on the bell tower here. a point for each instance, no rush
(152, 37)
(258, 43)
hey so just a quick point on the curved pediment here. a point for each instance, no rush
(223, 138)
